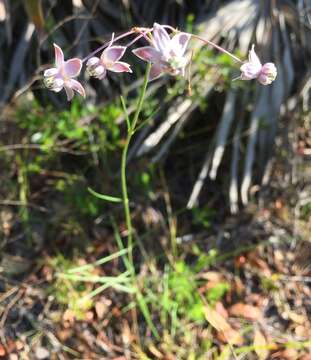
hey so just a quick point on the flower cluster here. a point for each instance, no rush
(253, 69)
(166, 52)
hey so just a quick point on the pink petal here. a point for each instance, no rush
(249, 71)
(155, 72)
(113, 53)
(120, 66)
(73, 67)
(264, 79)
(253, 58)
(148, 53)
(269, 68)
(161, 38)
(59, 56)
(76, 86)
(69, 92)
(179, 43)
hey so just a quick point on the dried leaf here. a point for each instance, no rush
(260, 345)
(100, 309)
(231, 336)
(225, 353)
(306, 357)
(225, 332)
(216, 320)
(64, 334)
(42, 353)
(154, 351)
(69, 316)
(245, 311)
(286, 354)
(2, 351)
(221, 309)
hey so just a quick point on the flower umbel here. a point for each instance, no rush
(62, 75)
(109, 60)
(253, 69)
(166, 54)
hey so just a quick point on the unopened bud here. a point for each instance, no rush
(267, 74)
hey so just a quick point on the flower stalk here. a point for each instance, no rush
(131, 127)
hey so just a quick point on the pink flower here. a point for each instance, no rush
(62, 75)
(166, 54)
(109, 60)
(253, 69)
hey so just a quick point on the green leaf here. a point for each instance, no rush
(104, 197)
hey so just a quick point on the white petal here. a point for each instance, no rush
(92, 61)
(253, 58)
(50, 72)
(161, 38)
(58, 85)
(179, 43)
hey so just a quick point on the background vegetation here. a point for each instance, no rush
(219, 184)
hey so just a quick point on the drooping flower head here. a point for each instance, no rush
(109, 60)
(62, 75)
(166, 54)
(253, 69)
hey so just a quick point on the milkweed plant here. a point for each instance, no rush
(165, 53)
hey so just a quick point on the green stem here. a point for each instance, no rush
(131, 128)
(130, 133)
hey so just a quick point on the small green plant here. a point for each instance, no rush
(74, 285)
(184, 296)
(203, 216)
(305, 211)
(69, 293)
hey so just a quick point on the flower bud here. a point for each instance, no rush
(267, 74)
(54, 83)
(95, 68)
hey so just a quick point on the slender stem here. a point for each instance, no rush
(219, 48)
(131, 130)
(130, 133)
(142, 35)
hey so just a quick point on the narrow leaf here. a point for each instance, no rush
(104, 197)
(35, 13)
